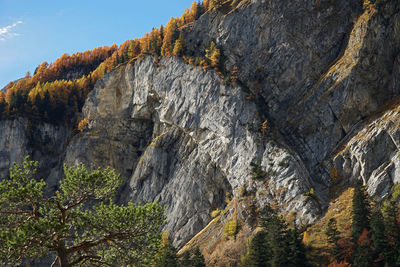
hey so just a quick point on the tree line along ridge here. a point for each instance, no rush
(56, 92)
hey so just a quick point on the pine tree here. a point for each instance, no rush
(80, 226)
(126, 54)
(276, 244)
(296, 251)
(197, 259)
(194, 11)
(361, 211)
(167, 256)
(115, 61)
(276, 230)
(333, 236)
(378, 237)
(363, 254)
(46, 104)
(3, 106)
(200, 10)
(185, 260)
(258, 252)
(392, 229)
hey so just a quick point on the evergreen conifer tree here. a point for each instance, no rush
(258, 251)
(390, 213)
(361, 211)
(295, 249)
(378, 236)
(363, 254)
(333, 236)
(185, 260)
(116, 62)
(275, 229)
(197, 259)
(167, 256)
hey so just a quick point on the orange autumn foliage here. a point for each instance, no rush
(56, 91)
(339, 264)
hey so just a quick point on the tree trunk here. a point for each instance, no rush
(63, 256)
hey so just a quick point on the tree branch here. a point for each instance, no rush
(90, 244)
(16, 212)
(55, 261)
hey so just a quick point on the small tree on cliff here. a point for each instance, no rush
(81, 224)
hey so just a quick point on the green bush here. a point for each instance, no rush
(256, 172)
(309, 193)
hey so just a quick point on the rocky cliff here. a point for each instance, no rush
(316, 105)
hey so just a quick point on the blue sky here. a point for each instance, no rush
(33, 31)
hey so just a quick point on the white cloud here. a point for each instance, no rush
(6, 32)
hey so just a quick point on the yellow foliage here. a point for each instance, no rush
(264, 127)
(231, 228)
(179, 46)
(213, 54)
(306, 237)
(82, 124)
(341, 209)
(215, 213)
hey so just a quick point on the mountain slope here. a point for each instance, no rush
(315, 106)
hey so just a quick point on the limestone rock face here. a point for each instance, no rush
(44, 142)
(371, 154)
(181, 137)
(316, 104)
(318, 69)
(14, 144)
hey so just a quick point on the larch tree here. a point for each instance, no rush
(194, 11)
(213, 54)
(170, 35)
(179, 46)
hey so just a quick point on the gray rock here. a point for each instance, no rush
(189, 142)
(321, 75)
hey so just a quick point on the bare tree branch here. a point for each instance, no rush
(55, 261)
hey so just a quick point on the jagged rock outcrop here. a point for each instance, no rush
(190, 141)
(314, 72)
(371, 154)
(318, 74)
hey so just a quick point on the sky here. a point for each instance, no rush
(34, 31)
